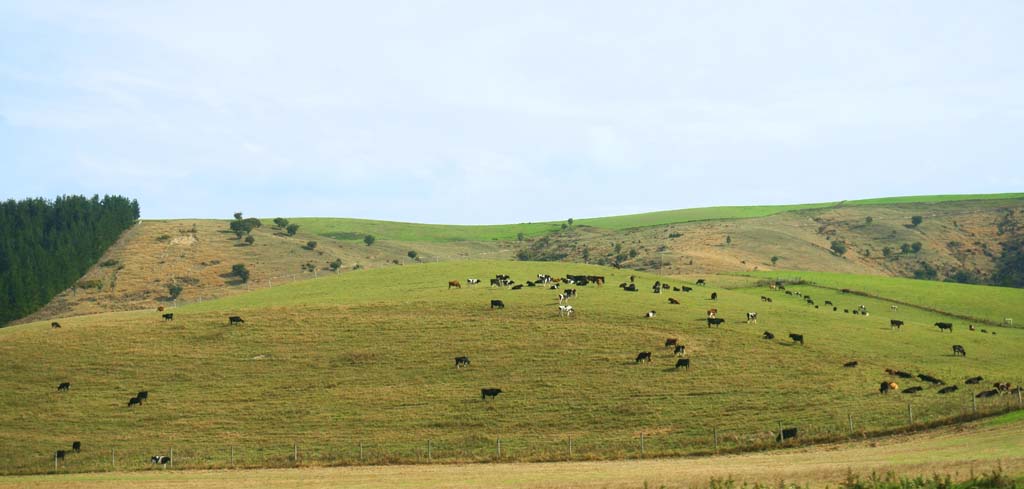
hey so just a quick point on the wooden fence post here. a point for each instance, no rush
(54, 461)
(641, 444)
(849, 417)
(232, 456)
(716, 439)
(499, 447)
(295, 452)
(430, 455)
(974, 403)
(172, 458)
(570, 446)
(360, 451)
(112, 464)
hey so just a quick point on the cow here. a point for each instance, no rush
(169, 316)
(970, 327)
(76, 446)
(232, 320)
(566, 310)
(885, 387)
(701, 281)
(454, 283)
(160, 459)
(944, 326)
(461, 362)
(788, 292)
(768, 335)
(959, 350)
(649, 314)
(930, 379)
(829, 303)
(988, 393)
(712, 313)
(55, 325)
(632, 278)
(1002, 386)
(630, 288)
(644, 356)
(134, 401)
(895, 324)
(912, 390)
(553, 287)
(845, 291)
(764, 299)
(142, 395)
(894, 307)
(489, 392)
(517, 287)
(160, 309)
(769, 300)
(714, 296)
(850, 364)
(495, 282)
(752, 317)
(797, 338)
(686, 289)
(671, 341)
(835, 309)
(787, 433)
(673, 301)
(948, 389)
(680, 350)
(847, 311)
(64, 387)
(497, 304)
(59, 455)
(715, 322)
(683, 362)
(903, 375)
(974, 380)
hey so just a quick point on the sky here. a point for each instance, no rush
(503, 112)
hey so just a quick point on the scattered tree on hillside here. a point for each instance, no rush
(336, 264)
(633, 253)
(564, 226)
(586, 253)
(238, 216)
(916, 220)
(905, 248)
(174, 290)
(1009, 267)
(926, 272)
(369, 239)
(915, 246)
(774, 260)
(412, 254)
(868, 220)
(520, 236)
(311, 245)
(239, 270)
(887, 252)
(280, 222)
(249, 240)
(241, 227)
(839, 247)
(570, 221)
(618, 247)
(728, 239)
(292, 229)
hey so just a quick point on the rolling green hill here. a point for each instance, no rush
(366, 358)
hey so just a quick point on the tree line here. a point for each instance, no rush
(45, 246)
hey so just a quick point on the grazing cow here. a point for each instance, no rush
(76, 446)
(495, 282)
(454, 283)
(850, 364)
(930, 379)
(683, 362)
(472, 281)
(461, 362)
(959, 350)
(752, 317)
(855, 312)
(712, 313)
(1003, 386)
(893, 308)
(895, 324)
(232, 320)
(675, 289)
(64, 386)
(835, 309)
(970, 327)
(787, 433)
(845, 291)
(903, 375)
(988, 393)
(566, 310)
(974, 380)
(912, 390)
(59, 455)
(671, 341)
(530, 284)
(984, 331)
(497, 304)
(133, 401)
(701, 281)
(829, 303)
(55, 325)
(687, 289)
(944, 326)
(142, 395)
(160, 309)
(644, 356)
(517, 287)
(847, 311)
(769, 300)
(553, 287)
(797, 338)
(649, 314)
(789, 292)
(160, 459)
(491, 392)
(948, 389)
(680, 350)
(764, 299)
(630, 288)
(169, 316)
(885, 387)
(673, 301)
(768, 336)
(714, 296)
(715, 321)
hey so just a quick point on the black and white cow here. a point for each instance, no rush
(752, 317)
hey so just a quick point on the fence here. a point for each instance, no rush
(511, 448)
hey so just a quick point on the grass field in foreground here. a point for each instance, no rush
(976, 449)
(367, 357)
(355, 229)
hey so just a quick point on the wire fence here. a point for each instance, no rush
(913, 416)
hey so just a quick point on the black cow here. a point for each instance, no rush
(517, 287)
(675, 289)
(671, 341)
(768, 336)
(650, 314)
(714, 296)
(644, 356)
(715, 321)
(959, 350)
(912, 390)
(944, 326)
(850, 364)
(630, 288)
(797, 338)
(55, 325)
(160, 459)
(235, 320)
(687, 289)
(64, 386)
(495, 282)
(701, 281)
(143, 395)
(683, 362)
(930, 379)
(903, 375)
(680, 350)
(895, 324)
(948, 389)
(461, 362)
(988, 393)
(974, 380)
(786, 434)
(76, 446)
(60, 454)
(133, 401)
(497, 304)
(829, 303)
(884, 387)
(673, 301)
(492, 393)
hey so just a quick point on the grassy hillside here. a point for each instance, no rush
(366, 357)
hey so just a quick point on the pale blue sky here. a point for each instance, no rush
(488, 112)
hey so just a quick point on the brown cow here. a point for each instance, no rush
(712, 313)
(454, 283)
